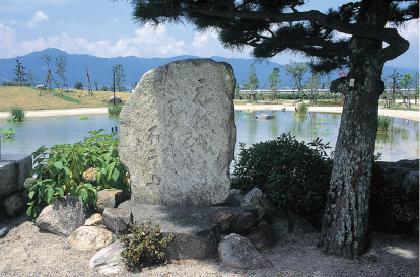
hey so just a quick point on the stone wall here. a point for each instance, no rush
(12, 177)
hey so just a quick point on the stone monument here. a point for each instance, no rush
(178, 134)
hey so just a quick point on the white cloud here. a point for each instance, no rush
(38, 17)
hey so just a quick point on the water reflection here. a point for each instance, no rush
(402, 142)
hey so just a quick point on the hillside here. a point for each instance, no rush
(101, 68)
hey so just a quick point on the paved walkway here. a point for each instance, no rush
(410, 115)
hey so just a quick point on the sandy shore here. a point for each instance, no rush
(410, 115)
(25, 251)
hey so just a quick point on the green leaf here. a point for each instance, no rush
(115, 175)
(50, 195)
(58, 164)
(84, 194)
(31, 194)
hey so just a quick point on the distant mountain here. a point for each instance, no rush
(100, 69)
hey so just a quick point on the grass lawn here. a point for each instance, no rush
(29, 99)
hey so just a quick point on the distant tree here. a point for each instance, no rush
(78, 85)
(406, 83)
(253, 82)
(313, 85)
(394, 80)
(30, 78)
(60, 70)
(297, 72)
(118, 78)
(274, 81)
(104, 88)
(237, 91)
(20, 74)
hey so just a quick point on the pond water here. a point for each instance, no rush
(400, 143)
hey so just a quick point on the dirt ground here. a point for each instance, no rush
(25, 251)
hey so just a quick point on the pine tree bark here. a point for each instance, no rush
(345, 223)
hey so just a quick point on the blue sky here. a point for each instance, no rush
(105, 28)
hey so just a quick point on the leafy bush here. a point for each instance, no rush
(294, 175)
(385, 123)
(16, 114)
(83, 117)
(7, 133)
(146, 246)
(301, 109)
(115, 110)
(79, 169)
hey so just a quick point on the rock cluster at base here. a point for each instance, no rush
(178, 134)
(90, 238)
(108, 261)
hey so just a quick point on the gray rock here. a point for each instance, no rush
(3, 232)
(178, 134)
(245, 221)
(109, 198)
(63, 216)
(8, 179)
(118, 100)
(90, 238)
(238, 252)
(262, 236)
(232, 219)
(194, 235)
(289, 224)
(255, 198)
(117, 220)
(13, 204)
(95, 219)
(23, 170)
(411, 182)
(235, 198)
(108, 261)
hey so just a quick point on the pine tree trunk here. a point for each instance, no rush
(345, 223)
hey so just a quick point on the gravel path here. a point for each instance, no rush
(26, 251)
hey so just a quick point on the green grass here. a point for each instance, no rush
(16, 114)
(385, 123)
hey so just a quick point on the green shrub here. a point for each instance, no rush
(79, 169)
(301, 109)
(115, 110)
(294, 175)
(385, 123)
(146, 246)
(7, 133)
(16, 114)
(83, 117)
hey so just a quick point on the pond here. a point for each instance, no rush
(402, 142)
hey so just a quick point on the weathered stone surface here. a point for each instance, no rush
(411, 182)
(13, 204)
(108, 261)
(23, 170)
(287, 223)
(234, 199)
(109, 198)
(262, 235)
(63, 216)
(178, 134)
(3, 232)
(117, 220)
(232, 219)
(255, 198)
(90, 238)
(8, 179)
(194, 236)
(238, 252)
(95, 219)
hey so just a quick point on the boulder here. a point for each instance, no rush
(3, 232)
(117, 220)
(90, 238)
(235, 198)
(178, 134)
(289, 224)
(23, 170)
(194, 235)
(109, 198)
(262, 235)
(13, 204)
(108, 261)
(232, 219)
(95, 219)
(238, 252)
(255, 198)
(8, 177)
(63, 216)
